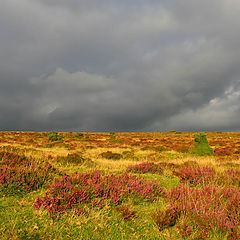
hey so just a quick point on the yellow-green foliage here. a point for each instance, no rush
(201, 145)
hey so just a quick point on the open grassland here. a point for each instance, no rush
(118, 186)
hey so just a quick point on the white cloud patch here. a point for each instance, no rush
(221, 113)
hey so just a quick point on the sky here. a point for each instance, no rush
(111, 65)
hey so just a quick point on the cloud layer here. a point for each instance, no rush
(119, 65)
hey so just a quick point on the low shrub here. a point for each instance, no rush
(145, 168)
(79, 135)
(201, 146)
(181, 149)
(207, 209)
(148, 148)
(165, 218)
(112, 136)
(90, 147)
(185, 229)
(194, 176)
(126, 213)
(234, 175)
(167, 165)
(87, 138)
(222, 152)
(19, 174)
(152, 148)
(192, 164)
(94, 190)
(74, 158)
(128, 154)
(54, 136)
(111, 155)
(237, 151)
(160, 149)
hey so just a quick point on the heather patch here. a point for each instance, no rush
(222, 152)
(234, 175)
(146, 167)
(96, 190)
(19, 174)
(230, 177)
(194, 176)
(206, 209)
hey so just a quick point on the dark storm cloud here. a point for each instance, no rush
(119, 65)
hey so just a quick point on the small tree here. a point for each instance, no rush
(201, 146)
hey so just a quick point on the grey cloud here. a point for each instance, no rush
(121, 65)
(221, 113)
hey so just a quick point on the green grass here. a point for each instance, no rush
(19, 220)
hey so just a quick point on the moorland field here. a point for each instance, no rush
(174, 185)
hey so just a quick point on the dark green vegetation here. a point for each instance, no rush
(201, 146)
(136, 186)
(54, 136)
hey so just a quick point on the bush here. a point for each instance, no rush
(207, 209)
(126, 213)
(74, 158)
(148, 148)
(234, 175)
(19, 174)
(182, 149)
(222, 152)
(111, 155)
(160, 148)
(53, 137)
(79, 135)
(185, 229)
(165, 219)
(201, 146)
(96, 190)
(128, 154)
(196, 175)
(145, 167)
(190, 163)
